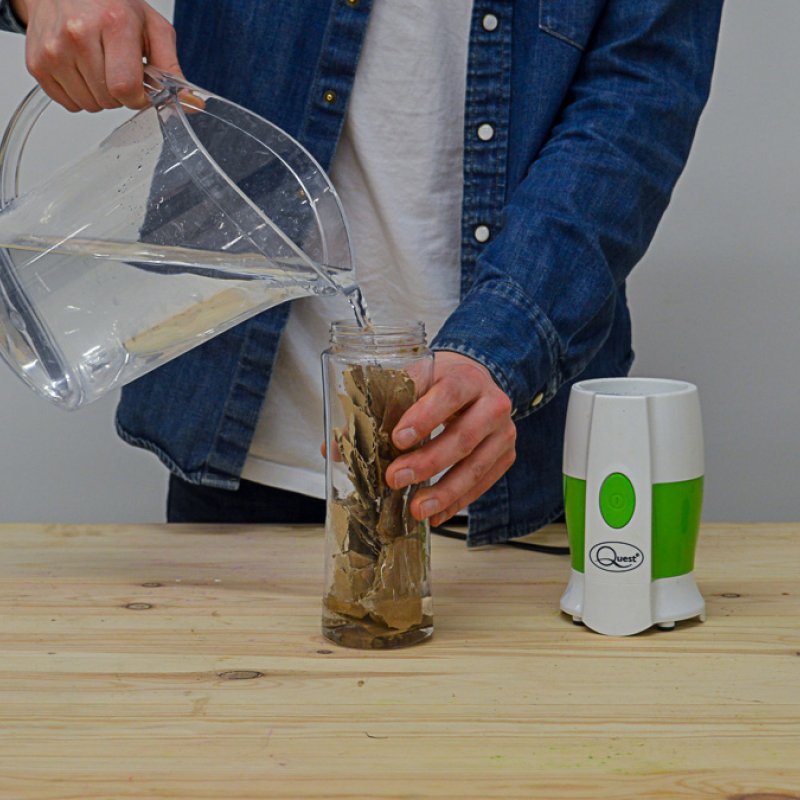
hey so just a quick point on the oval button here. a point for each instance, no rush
(490, 22)
(486, 132)
(482, 233)
(617, 500)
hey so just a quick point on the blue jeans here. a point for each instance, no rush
(250, 503)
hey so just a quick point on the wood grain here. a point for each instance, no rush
(186, 662)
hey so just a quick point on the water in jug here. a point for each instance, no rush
(190, 217)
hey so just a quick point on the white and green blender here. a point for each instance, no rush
(633, 492)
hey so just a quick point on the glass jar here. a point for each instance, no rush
(377, 556)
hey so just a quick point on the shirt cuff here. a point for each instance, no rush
(497, 325)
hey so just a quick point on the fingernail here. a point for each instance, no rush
(406, 437)
(429, 507)
(403, 477)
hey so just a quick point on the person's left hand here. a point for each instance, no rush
(477, 443)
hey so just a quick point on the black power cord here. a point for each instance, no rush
(537, 548)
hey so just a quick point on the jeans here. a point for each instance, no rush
(251, 503)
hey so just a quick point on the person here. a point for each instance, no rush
(504, 166)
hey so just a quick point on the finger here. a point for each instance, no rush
(335, 455)
(190, 101)
(464, 477)
(72, 83)
(456, 442)
(497, 471)
(160, 44)
(46, 61)
(92, 70)
(444, 399)
(54, 91)
(85, 46)
(462, 434)
(68, 55)
(124, 71)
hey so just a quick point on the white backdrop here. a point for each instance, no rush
(715, 301)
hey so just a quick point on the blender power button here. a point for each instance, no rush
(617, 500)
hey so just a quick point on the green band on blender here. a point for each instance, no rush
(676, 522)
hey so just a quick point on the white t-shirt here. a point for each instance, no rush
(398, 170)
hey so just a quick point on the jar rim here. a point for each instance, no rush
(350, 328)
(400, 335)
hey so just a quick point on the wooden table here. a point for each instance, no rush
(186, 662)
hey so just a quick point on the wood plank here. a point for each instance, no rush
(186, 662)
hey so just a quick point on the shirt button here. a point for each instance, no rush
(329, 96)
(482, 233)
(537, 401)
(485, 132)
(490, 22)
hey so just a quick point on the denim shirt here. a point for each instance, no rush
(591, 106)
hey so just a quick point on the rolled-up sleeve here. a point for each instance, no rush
(542, 303)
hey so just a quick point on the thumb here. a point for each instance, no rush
(160, 48)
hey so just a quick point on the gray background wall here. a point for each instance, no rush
(715, 301)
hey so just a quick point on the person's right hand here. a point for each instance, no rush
(87, 54)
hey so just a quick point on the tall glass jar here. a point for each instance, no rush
(377, 556)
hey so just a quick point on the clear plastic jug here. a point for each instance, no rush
(188, 218)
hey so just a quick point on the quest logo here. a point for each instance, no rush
(616, 556)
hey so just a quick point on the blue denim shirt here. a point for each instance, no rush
(593, 106)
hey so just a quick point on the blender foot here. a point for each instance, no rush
(666, 626)
(577, 621)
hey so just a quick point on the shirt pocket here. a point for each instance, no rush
(571, 21)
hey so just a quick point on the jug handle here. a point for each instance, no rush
(14, 140)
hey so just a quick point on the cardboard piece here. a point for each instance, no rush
(395, 596)
(379, 569)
